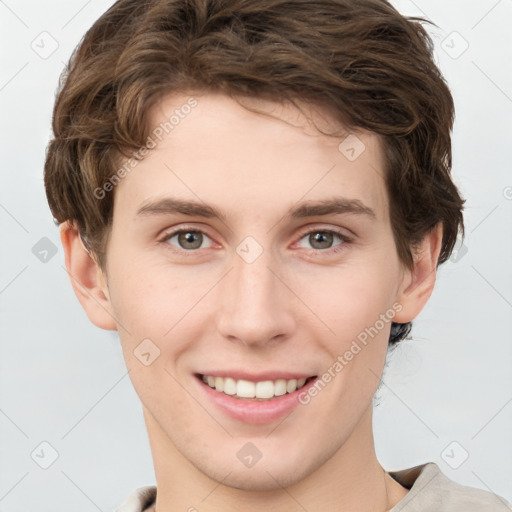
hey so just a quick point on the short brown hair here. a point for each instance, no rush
(371, 66)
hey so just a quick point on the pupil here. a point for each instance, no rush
(188, 238)
(325, 239)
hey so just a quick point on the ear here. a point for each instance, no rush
(418, 283)
(87, 279)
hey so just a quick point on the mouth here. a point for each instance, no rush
(254, 399)
(254, 391)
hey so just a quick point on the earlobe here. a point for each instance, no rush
(87, 279)
(418, 283)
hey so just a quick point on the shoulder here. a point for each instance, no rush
(139, 500)
(430, 490)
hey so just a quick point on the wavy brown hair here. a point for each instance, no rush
(369, 65)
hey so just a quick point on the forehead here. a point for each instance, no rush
(209, 147)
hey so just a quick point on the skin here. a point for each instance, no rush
(296, 308)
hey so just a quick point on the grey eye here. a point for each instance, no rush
(187, 239)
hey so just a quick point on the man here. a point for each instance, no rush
(256, 196)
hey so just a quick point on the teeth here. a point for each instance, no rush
(264, 389)
(291, 385)
(229, 386)
(280, 387)
(247, 389)
(219, 384)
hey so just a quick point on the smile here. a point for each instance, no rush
(262, 390)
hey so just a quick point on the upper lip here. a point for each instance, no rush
(257, 377)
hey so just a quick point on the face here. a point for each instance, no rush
(251, 250)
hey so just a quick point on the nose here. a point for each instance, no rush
(255, 307)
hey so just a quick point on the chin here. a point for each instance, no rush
(260, 480)
(266, 475)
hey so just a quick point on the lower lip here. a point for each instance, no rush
(255, 412)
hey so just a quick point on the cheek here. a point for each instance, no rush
(338, 304)
(169, 307)
(150, 310)
(150, 299)
(352, 300)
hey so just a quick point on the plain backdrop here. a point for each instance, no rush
(447, 393)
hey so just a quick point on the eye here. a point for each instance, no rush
(190, 240)
(322, 240)
(187, 239)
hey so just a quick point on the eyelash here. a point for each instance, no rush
(344, 238)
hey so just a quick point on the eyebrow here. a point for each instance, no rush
(332, 206)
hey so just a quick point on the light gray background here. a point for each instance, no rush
(63, 381)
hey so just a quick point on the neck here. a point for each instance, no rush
(351, 480)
